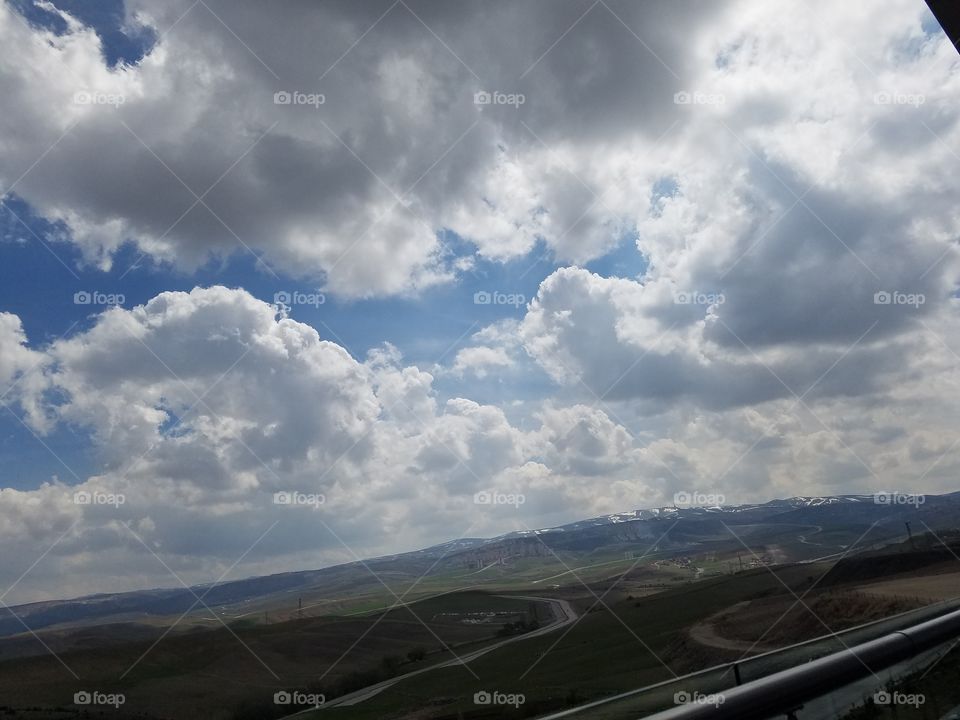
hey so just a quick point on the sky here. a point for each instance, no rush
(377, 258)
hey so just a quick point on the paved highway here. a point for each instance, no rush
(563, 614)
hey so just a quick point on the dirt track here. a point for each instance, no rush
(705, 633)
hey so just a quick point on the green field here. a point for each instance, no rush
(214, 673)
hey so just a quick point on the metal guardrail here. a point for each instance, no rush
(643, 701)
(787, 690)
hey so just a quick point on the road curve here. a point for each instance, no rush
(804, 538)
(563, 614)
(705, 633)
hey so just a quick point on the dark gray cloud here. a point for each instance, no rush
(355, 189)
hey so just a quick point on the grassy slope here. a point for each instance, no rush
(599, 656)
(207, 674)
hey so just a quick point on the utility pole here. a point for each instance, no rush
(910, 535)
(300, 607)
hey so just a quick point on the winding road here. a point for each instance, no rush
(805, 541)
(563, 615)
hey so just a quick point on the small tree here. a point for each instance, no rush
(390, 664)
